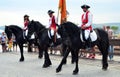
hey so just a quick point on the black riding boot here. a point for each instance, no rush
(88, 44)
(53, 43)
(24, 34)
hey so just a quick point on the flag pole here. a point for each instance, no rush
(58, 16)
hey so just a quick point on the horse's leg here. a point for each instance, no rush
(47, 61)
(16, 47)
(104, 59)
(29, 47)
(104, 50)
(64, 49)
(13, 46)
(21, 52)
(40, 52)
(73, 57)
(76, 70)
(63, 61)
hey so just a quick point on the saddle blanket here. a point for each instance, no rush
(50, 34)
(93, 36)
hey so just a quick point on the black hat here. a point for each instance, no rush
(26, 16)
(85, 6)
(50, 11)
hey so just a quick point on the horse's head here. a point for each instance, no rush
(61, 30)
(64, 35)
(31, 28)
(34, 26)
(8, 32)
(67, 31)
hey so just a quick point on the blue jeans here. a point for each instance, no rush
(111, 51)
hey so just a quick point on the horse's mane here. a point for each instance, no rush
(71, 28)
(15, 27)
(40, 24)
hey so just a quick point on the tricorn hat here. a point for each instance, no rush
(26, 15)
(85, 6)
(50, 11)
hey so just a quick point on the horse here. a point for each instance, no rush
(45, 40)
(20, 40)
(72, 32)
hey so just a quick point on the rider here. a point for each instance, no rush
(52, 25)
(86, 25)
(26, 22)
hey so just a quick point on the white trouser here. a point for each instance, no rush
(32, 36)
(26, 32)
(52, 32)
(87, 33)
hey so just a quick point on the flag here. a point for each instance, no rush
(62, 9)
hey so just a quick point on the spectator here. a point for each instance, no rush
(3, 42)
(14, 42)
(104, 28)
(10, 45)
(111, 48)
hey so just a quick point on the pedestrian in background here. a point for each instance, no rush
(3, 42)
(111, 48)
(10, 44)
(14, 42)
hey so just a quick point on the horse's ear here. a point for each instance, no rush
(6, 26)
(58, 25)
(32, 21)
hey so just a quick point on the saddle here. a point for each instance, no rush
(25, 35)
(55, 36)
(92, 36)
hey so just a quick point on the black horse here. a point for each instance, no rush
(43, 37)
(18, 32)
(72, 32)
(45, 40)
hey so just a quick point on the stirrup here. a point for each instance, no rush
(52, 44)
(88, 48)
(24, 37)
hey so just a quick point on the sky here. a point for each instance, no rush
(12, 11)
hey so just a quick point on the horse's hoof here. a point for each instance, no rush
(75, 72)
(58, 70)
(40, 57)
(21, 60)
(46, 65)
(65, 63)
(104, 69)
(72, 62)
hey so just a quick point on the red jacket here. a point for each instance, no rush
(26, 22)
(53, 23)
(85, 21)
